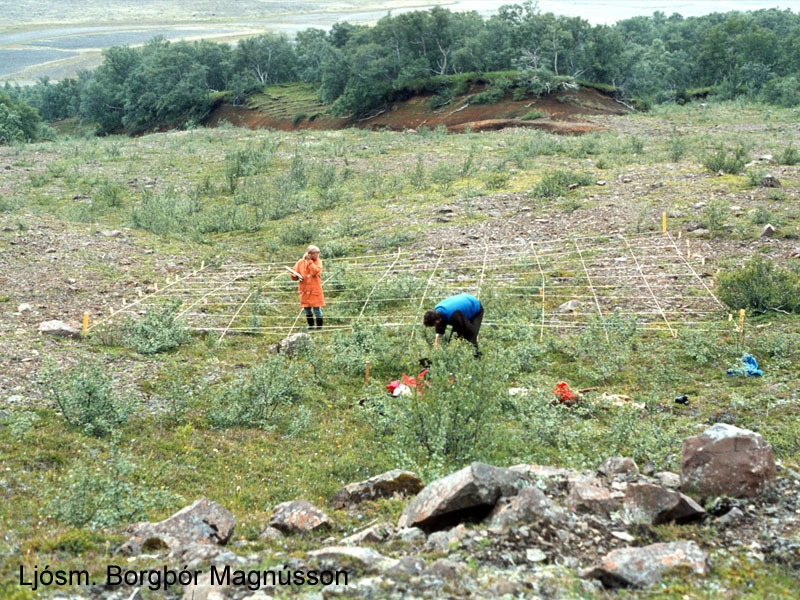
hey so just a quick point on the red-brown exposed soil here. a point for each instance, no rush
(562, 114)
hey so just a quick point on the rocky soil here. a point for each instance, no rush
(478, 534)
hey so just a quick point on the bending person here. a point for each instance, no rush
(462, 312)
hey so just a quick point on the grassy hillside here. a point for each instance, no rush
(180, 411)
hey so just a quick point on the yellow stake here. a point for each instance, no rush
(663, 222)
(85, 323)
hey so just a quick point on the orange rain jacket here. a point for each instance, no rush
(310, 289)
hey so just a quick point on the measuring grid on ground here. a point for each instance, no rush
(553, 284)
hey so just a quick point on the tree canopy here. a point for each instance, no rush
(358, 68)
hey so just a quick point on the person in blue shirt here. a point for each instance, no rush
(463, 312)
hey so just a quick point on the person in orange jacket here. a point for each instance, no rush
(310, 288)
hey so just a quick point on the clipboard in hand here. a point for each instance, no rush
(293, 272)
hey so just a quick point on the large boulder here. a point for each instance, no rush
(466, 495)
(386, 485)
(203, 522)
(727, 461)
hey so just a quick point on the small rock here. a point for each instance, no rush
(770, 181)
(270, 533)
(298, 516)
(569, 306)
(731, 517)
(343, 555)
(375, 533)
(642, 567)
(619, 465)
(410, 535)
(59, 329)
(386, 485)
(535, 555)
(294, 343)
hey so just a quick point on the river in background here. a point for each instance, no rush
(604, 12)
(29, 54)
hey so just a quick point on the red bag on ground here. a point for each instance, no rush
(564, 394)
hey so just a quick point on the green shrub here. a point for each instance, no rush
(781, 348)
(497, 176)
(109, 195)
(556, 183)
(755, 176)
(20, 423)
(85, 397)
(468, 166)
(416, 176)
(636, 144)
(373, 343)
(393, 239)
(533, 115)
(539, 82)
(676, 147)
(494, 92)
(698, 346)
(265, 397)
(442, 98)
(105, 493)
(759, 287)
(450, 418)
(761, 215)
(165, 212)
(159, 330)
(725, 161)
(299, 233)
(444, 174)
(604, 346)
(789, 156)
(73, 541)
(715, 216)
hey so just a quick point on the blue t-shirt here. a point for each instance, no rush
(467, 304)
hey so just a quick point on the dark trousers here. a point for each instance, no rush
(476, 322)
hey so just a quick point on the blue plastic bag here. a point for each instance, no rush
(749, 367)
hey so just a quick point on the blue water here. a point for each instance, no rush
(607, 12)
(20, 49)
